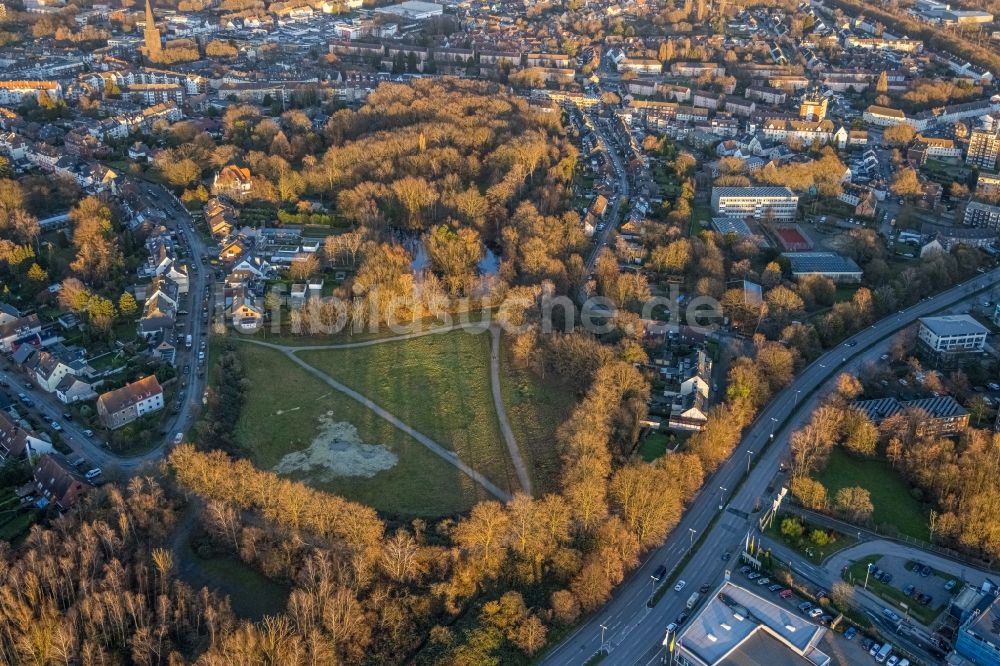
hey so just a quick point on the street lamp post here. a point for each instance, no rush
(749, 455)
(868, 571)
(774, 423)
(692, 532)
(722, 495)
(604, 628)
(797, 392)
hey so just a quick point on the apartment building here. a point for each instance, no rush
(979, 214)
(984, 148)
(122, 406)
(13, 93)
(813, 107)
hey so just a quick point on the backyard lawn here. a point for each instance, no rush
(894, 506)
(282, 415)
(437, 384)
(535, 408)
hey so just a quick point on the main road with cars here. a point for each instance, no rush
(191, 369)
(714, 525)
(613, 212)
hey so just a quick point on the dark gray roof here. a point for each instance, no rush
(821, 262)
(946, 325)
(938, 407)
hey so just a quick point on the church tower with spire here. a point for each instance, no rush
(151, 34)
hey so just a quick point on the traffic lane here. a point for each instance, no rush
(71, 433)
(728, 533)
(754, 485)
(806, 382)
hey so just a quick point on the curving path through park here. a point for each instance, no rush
(449, 456)
(508, 435)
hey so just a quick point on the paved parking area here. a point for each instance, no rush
(932, 584)
(844, 652)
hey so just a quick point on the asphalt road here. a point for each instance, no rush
(633, 632)
(613, 213)
(92, 448)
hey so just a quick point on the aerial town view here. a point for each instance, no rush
(541, 332)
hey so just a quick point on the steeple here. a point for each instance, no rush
(151, 34)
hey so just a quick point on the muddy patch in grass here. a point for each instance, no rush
(337, 451)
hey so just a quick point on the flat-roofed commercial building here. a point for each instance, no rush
(735, 626)
(773, 203)
(416, 10)
(825, 264)
(949, 336)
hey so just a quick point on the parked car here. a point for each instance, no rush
(893, 660)
(88, 433)
(93, 474)
(753, 575)
(764, 581)
(815, 612)
(706, 587)
(785, 594)
(671, 628)
(682, 618)
(926, 571)
(774, 588)
(873, 650)
(805, 606)
(950, 585)
(850, 633)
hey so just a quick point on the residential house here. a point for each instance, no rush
(688, 386)
(58, 482)
(17, 443)
(246, 313)
(52, 367)
(73, 389)
(122, 406)
(160, 310)
(233, 181)
(19, 331)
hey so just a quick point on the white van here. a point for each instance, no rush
(884, 653)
